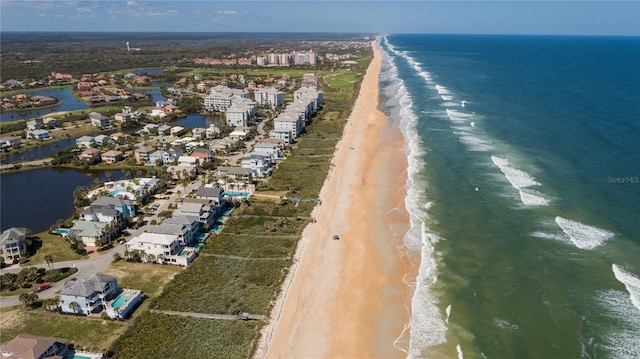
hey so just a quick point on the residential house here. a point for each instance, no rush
(99, 120)
(236, 173)
(186, 228)
(260, 164)
(203, 154)
(85, 141)
(142, 153)
(90, 155)
(119, 137)
(34, 125)
(199, 133)
(216, 209)
(216, 194)
(124, 206)
(10, 141)
(27, 346)
(237, 135)
(157, 113)
(163, 130)
(188, 161)
(101, 140)
(205, 214)
(38, 135)
(88, 296)
(288, 122)
(112, 156)
(13, 243)
(135, 189)
(104, 214)
(161, 248)
(176, 131)
(212, 131)
(172, 155)
(156, 158)
(50, 122)
(91, 233)
(269, 149)
(123, 117)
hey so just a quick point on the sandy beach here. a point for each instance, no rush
(346, 298)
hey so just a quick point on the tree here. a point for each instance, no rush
(28, 299)
(49, 259)
(51, 304)
(74, 306)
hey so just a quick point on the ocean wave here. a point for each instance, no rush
(631, 283)
(582, 235)
(621, 339)
(426, 327)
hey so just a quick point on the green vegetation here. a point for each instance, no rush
(165, 336)
(53, 245)
(85, 332)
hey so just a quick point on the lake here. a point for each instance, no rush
(69, 103)
(37, 199)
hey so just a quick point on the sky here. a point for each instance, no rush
(380, 17)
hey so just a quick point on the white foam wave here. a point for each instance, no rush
(518, 179)
(582, 235)
(442, 90)
(448, 104)
(475, 143)
(448, 311)
(631, 283)
(459, 350)
(457, 115)
(621, 339)
(463, 103)
(532, 198)
(426, 327)
(446, 97)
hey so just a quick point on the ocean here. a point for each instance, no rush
(523, 191)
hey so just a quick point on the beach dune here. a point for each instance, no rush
(346, 298)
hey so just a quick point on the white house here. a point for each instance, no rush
(99, 120)
(284, 135)
(260, 164)
(154, 245)
(188, 161)
(88, 296)
(269, 149)
(288, 122)
(85, 141)
(38, 135)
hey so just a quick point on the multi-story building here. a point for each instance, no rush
(13, 243)
(269, 96)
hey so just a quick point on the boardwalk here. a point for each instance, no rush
(243, 316)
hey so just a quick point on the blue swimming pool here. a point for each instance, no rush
(203, 237)
(236, 194)
(62, 230)
(122, 298)
(217, 229)
(198, 246)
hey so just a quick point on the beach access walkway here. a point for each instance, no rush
(243, 316)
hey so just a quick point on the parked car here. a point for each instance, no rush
(42, 287)
(122, 241)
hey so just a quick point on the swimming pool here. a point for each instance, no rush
(122, 298)
(198, 246)
(236, 194)
(218, 229)
(62, 230)
(203, 237)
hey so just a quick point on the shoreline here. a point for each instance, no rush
(347, 298)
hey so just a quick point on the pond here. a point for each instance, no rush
(37, 199)
(69, 103)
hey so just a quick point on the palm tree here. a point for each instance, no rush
(74, 306)
(28, 299)
(49, 259)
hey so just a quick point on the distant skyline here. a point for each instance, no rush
(389, 17)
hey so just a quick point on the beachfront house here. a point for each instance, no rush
(236, 173)
(260, 164)
(269, 149)
(29, 346)
(204, 213)
(88, 296)
(216, 194)
(160, 248)
(13, 243)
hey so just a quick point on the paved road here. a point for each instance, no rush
(86, 268)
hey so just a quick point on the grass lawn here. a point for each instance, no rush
(52, 244)
(149, 278)
(88, 332)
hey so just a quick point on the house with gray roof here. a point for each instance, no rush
(13, 243)
(213, 193)
(126, 207)
(90, 233)
(88, 296)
